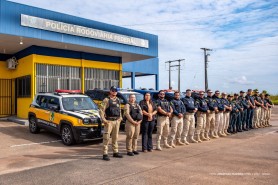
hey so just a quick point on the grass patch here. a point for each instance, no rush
(274, 99)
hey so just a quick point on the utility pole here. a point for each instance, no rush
(179, 69)
(206, 66)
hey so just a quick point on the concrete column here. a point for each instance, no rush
(156, 82)
(133, 80)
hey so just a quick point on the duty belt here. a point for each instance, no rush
(113, 118)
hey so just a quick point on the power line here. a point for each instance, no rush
(179, 69)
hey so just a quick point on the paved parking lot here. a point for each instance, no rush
(245, 158)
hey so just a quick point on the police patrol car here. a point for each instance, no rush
(73, 116)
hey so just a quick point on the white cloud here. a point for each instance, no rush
(242, 80)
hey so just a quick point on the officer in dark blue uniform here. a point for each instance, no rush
(189, 119)
(250, 110)
(218, 115)
(212, 105)
(177, 120)
(201, 117)
(243, 114)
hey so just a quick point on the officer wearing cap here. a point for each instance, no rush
(226, 113)
(177, 120)
(238, 114)
(233, 115)
(164, 110)
(257, 111)
(270, 105)
(189, 119)
(203, 109)
(243, 114)
(250, 110)
(110, 114)
(264, 109)
(210, 123)
(218, 114)
(134, 117)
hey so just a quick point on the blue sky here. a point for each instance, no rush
(242, 33)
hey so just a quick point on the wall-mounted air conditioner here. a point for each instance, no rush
(12, 63)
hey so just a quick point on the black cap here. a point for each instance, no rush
(266, 94)
(217, 91)
(114, 88)
(209, 91)
(249, 90)
(241, 91)
(188, 90)
(235, 94)
(229, 96)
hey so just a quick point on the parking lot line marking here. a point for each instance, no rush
(46, 142)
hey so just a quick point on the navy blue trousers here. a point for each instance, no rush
(249, 117)
(243, 115)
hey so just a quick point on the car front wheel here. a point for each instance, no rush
(67, 135)
(33, 126)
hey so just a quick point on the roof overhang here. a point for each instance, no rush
(10, 45)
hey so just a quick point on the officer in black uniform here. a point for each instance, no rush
(250, 110)
(233, 115)
(238, 114)
(243, 114)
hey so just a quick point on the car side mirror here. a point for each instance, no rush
(55, 108)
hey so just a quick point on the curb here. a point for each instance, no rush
(15, 120)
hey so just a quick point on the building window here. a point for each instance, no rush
(52, 77)
(101, 78)
(24, 86)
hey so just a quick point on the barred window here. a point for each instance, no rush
(101, 78)
(52, 77)
(24, 86)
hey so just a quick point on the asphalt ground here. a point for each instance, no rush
(245, 158)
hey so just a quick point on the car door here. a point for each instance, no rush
(42, 111)
(54, 116)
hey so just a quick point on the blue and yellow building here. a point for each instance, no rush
(42, 50)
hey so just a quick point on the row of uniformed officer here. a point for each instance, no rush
(216, 117)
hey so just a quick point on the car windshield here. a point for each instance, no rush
(78, 103)
(139, 97)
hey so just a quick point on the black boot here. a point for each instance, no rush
(106, 158)
(130, 153)
(117, 155)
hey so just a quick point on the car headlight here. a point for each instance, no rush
(86, 120)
